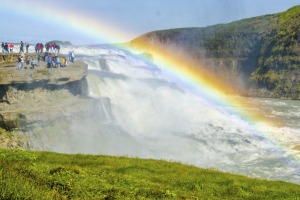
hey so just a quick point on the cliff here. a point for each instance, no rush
(39, 97)
(261, 54)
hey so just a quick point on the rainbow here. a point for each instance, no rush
(210, 88)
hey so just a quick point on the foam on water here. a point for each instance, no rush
(147, 114)
(170, 122)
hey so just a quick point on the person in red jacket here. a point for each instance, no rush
(11, 48)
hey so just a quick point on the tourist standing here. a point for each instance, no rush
(21, 47)
(27, 47)
(11, 47)
(42, 47)
(20, 62)
(72, 56)
(6, 48)
(39, 60)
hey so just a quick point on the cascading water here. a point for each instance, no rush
(149, 116)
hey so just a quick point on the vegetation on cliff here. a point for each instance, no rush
(266, 50)
(278, 67)
(43, 175)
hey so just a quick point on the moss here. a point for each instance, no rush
(5, 133)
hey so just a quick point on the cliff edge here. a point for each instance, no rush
(39, 96)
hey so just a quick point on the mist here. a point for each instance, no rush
(142, 112)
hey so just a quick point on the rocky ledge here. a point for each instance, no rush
(38, 96)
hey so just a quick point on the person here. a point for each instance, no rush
(36, 48)
(51, 47)
(42, 47)
(33, 64)
(6, 48)
(72, 56)
(21, 47)
(49, 62)
(27, 62)
(11, 47)
(63, 60)
(56, 62)
(39, 60)
(27, 47)
(58, 48)
(47, 47)
(2, 45)
(20, 62)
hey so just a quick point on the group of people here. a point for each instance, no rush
(28, 61)
(52, 61)
(22, 44)
(39, 47)
(7, 48)
(55, 61)
(52, 47)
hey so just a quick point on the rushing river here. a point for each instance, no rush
(150, 116)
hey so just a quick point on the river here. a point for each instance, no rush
(149, 115)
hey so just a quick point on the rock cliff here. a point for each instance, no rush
(260, 54)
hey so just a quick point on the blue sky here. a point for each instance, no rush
(133, 16)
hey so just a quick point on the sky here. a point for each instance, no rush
(114, 21)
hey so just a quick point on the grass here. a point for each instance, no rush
(45, 175)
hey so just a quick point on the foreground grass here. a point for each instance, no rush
(44, 175)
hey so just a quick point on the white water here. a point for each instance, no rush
(151, 117)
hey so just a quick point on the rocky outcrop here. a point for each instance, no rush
(40, 95)
(13, 140)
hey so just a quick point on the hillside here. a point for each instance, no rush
(260, 54)
(45, 175)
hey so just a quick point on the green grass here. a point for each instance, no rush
(44, 175)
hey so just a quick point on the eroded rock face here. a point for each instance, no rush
(8, 58)
(13, 140)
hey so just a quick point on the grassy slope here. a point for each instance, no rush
(43, 175)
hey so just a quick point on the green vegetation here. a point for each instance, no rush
(266, 49)
(44, 175)
(278, 65)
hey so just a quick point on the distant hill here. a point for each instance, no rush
(262, 54)
(59, 42)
